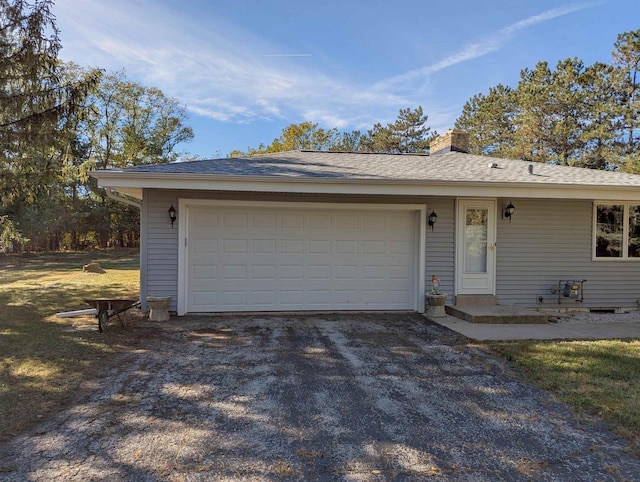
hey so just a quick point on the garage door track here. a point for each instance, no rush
(324, 397)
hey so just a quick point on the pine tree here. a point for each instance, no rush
(626, 56)
(489, 121)
(36, 100)
(572, 115)
(38, 106)
(533, 120)
(566, 111)
(409, 133)
(601, 116)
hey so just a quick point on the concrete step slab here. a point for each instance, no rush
(476, 300)
(498, 314)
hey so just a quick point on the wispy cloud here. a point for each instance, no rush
(288, 55)
(474, 50)
(226, 73)
(222, 72)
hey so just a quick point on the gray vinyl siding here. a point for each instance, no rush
(161, 247)
(440, 246)
(159, 261)
(551, 240)
(547, 240)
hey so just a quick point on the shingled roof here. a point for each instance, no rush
(454, 167)
(347, 173)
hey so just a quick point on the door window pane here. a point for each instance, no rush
(609, 230)
(634, 232)
(475, 249)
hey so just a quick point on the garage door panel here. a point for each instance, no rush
(291, 297)
(204, 298)
(261, 220)
(235, 220)
(348, 221)
(322, 297)
(373, 296)
(294, 221)
(400, 272)
(205, 272)
(263, 272)
(268, 260)
(382, 285)
(345, 297)
(399, 247)
(346, 272)
(291, 246)
(400, 222)
(291, 272)
(234, 298)
(234, 272)
(373, 272)
(319, 272)
(373, 247)
(373, 222)
(203, 220)
(205, 245)
(235, 246)
(319, 246)
(319, 221)
(263, 245)
(400, 296)
(346, 247)
(265, 298)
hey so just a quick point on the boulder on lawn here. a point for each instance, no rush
(93, 267)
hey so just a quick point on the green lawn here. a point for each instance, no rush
(44, 359)
(599, 378)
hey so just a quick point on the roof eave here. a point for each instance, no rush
(133, 184)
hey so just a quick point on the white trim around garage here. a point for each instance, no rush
(183, 216)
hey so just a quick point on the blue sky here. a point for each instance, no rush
(245, 69)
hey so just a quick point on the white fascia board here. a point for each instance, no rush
(133, 183)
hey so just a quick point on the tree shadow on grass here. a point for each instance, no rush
(43, 363)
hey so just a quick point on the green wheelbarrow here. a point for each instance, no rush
(108, 308)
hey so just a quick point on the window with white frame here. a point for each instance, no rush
(616, 230)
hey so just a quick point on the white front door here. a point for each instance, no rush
(476, 242)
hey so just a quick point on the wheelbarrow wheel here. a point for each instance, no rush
(103, 319)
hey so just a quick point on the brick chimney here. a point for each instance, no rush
(455, 140)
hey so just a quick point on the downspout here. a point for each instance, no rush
(111, 194)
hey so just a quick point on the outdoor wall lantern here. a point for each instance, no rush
(172, 215)
(432, 219)
(508, 211)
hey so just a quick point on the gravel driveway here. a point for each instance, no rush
(327, 397)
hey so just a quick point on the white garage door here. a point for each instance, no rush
(281, 259)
